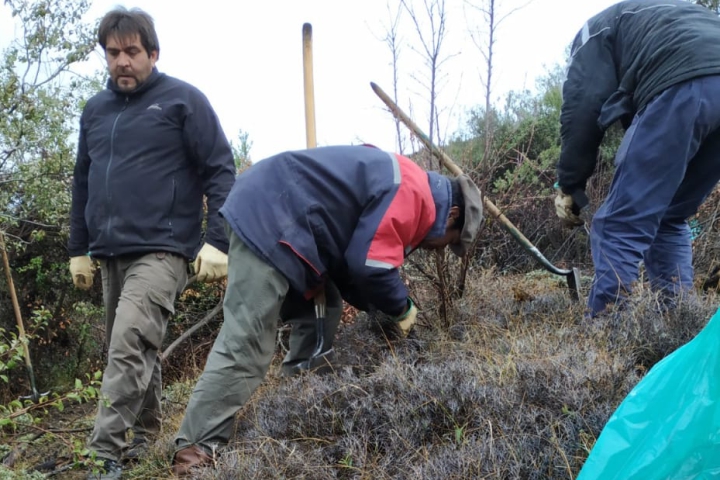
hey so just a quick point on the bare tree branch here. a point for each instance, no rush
(393, 41)
(209, 316)
(489, 10)
(431, 43)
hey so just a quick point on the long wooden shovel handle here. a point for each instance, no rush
(310, 134)
(309, 86)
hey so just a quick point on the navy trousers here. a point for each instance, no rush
(667, 164)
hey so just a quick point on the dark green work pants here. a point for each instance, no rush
(257, 296)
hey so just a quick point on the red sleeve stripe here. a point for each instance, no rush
(307, 262)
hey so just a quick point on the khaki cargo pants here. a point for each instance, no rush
(139, 292)
(257, 296)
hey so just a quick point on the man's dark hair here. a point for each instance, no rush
(123, 23)
(457, 201)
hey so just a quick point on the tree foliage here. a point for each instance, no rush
(241, 151)
(40, 97)
(713, 5)
(42, 93)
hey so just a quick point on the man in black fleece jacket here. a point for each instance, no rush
(150, 147)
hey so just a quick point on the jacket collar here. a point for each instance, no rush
(442, 196)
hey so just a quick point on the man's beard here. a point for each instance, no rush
(126, 82)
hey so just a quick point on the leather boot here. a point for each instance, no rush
(189, 458)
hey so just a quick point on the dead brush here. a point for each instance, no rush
(521, 392)
(516, 388)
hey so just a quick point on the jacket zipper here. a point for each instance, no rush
(172, 208)
(108, 228)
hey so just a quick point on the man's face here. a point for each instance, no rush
(452, 235)
(128, 62)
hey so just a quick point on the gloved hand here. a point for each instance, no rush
(211, 264)
(391, 327)
(82, 270)
(406, 321)
(567, 210)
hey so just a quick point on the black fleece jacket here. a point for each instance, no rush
(144, 161)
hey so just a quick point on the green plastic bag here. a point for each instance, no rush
(668, 427)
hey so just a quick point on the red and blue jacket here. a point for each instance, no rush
(348, 213)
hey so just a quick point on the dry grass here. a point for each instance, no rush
(519, 386)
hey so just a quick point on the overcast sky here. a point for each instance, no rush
(246, 56)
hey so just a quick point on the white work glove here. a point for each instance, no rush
(566, 209)
(406, 321)
(394, 328)
(211, 264)
(82, 270)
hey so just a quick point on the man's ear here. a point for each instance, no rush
(453, 215)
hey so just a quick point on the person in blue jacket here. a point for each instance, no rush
(333, 222)
(150, 147)
(654, 65)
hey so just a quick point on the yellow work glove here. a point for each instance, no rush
(82, 271)
(566, 209)
(406, 321)
(211, 264)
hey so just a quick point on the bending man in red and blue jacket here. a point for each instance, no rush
(338, 220)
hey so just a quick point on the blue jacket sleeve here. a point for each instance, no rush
(379, 290)
(78, 242)
(211, 149)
